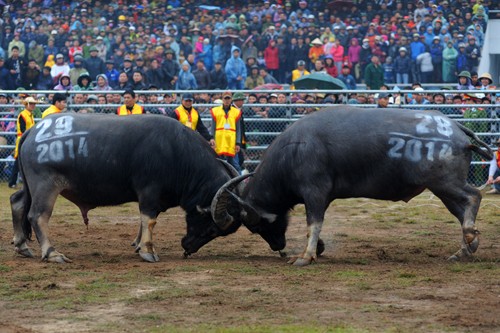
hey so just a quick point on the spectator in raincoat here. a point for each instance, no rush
(316, 51)
(236, 70)
(449, 63)
(186, 80)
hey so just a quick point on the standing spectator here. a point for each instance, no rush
(130, 106)
(15, 65)
(271, 56)
(60, 68)
(75, 50)
(472, 53)
(21, 47)
(389, 74)
(24, 122)
(236, 70)
(170, 69)
(111, 73)
(202, 76)
(35, 52)
(417, 48)
(449, 63)
(187, 115)
(218, 79)
(226, 127)
(94, 64)
(300, 70)
(424, 63)
(494, 171)
(155, 75)
(347, 78)
(365, 55)
(186, 79)
(402, 66)
(374, 74)
(436, 51)
(283, 55)
(353, 55)
(337, 52)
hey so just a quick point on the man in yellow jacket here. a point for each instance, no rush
(300, 71)
(58, 105)
(25, 121)
(226, 127)
(189, 116)
(130, 107)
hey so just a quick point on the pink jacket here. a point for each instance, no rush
(337, 53)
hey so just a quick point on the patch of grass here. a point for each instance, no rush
(4, 268)
(260, 329)
(349, 274)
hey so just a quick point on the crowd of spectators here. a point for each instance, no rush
(169, 44)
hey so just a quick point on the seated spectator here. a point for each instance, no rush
(77, 70)
(347, 78)
(268, 78)
(486, 82)
(102, 83)
(60, 68)
(84, 82)
(464, 81)
(186, 80)
(254, 79)
(64, 83)
(45, 81)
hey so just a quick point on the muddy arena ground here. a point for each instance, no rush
(384, 270)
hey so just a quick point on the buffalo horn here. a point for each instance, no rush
(230, 169)
(219, 203)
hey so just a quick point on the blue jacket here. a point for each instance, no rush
(235, 67)
(349, 81)
(417, 48)
(186, 80)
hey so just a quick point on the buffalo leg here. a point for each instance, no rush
(315, 215)
(464, 203)
(137, 239)
(41, 209)
(20, 239)
(145, 247)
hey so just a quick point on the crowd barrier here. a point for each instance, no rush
(260, 131)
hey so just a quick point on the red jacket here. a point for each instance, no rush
(271, 57)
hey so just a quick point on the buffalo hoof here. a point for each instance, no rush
(57, 257)
(282, 254)
(300, 261)
(25, 252)
(186, 254)
(471, 239)
(461, 255)
(149, 257)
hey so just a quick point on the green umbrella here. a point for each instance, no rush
(321, 81)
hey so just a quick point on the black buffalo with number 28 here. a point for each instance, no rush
(344, 152)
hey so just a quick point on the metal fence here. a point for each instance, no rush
(264, 120)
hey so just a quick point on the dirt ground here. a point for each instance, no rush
(384, 270)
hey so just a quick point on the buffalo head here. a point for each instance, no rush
(228, 208)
